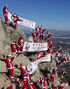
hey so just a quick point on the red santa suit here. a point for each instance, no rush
(24, 75)
(60, 49)
(61, 87)
(15, 20)
(13, 47)
(37, 29)
(42, 33)
(9, 65)
(5, 13)
(24, 85)
(42, 81)
(30, 82)
(63, 59)
(52, 78)
(20, 43)
(54, 88)
(48, 35)
(34, 36)
(40, 55)
(51, 44)
(10, 87)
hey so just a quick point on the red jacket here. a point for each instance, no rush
(48, 35)
(13, 47)
(51, 45)
(37, 29)
(42, 81)
(5, 10)
(34, 34)
(42, 32)
(8, 61)
(15, 20)
(59, 49)
(23, 71)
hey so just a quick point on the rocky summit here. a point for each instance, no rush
(9, 35)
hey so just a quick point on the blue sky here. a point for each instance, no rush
(55, 14)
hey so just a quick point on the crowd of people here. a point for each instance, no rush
(15, 18)
(48, 78)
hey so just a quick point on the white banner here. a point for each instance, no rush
(34, 65)
(24, 22)
(34, 47)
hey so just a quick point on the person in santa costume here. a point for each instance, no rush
(10, 87)
(37, 31)
(42, 82)
(21, 43)
(40, 55)
(9, 65)
(5, 13)
(48, 36)
(54, 87)
(42, 33)
(30, 82)
(61, 85)
(34, 36)
(59, 51)
(51, 44)
(23, 85)
(15, 20)
(52, 77)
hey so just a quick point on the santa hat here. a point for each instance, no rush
(21, 37)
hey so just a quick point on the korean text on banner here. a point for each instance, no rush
(34, 47)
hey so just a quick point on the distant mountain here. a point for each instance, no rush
(61, 33)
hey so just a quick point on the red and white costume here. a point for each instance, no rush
(9, 65)
(40, 55)
(20, 43)
(42, 81)
(34, 36)
(52, 78)
(48, 35)
(5, 13)
(42, 33)
(24, 85)
(10, 87)
(13, 47)
(51, 44)
(30, 82)
(60, 49)
(15, 19)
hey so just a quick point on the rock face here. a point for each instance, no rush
(7, 35)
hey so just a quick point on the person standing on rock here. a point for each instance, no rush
(42, 33)
(34, 36)
(5, 13)
(30, 82)
(10, 66)
(20, 43)
(42, 82)
(15, 20)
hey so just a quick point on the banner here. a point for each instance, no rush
(24, 22)
(34, 65)
(34, 47)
